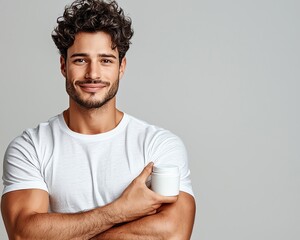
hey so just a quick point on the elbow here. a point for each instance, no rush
(16, 235)
(18, 231)
(176, 229)
(13, 233)
(179, 225)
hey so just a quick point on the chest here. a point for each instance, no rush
(84, 176)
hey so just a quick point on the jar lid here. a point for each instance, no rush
(166, 168)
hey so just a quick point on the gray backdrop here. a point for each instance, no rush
(223, 75)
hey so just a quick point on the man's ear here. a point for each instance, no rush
(122, 67)
(63, 66)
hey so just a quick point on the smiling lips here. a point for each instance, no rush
(92, 87)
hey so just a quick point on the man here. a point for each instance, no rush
(82, 174)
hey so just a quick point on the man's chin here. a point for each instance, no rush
(90, 105)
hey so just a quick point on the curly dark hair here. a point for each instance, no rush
(93, 16)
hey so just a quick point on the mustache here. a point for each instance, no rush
(92, 81)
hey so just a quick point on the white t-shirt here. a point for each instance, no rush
(82, 172)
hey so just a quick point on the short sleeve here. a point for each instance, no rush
(167, 148)
(21, 167)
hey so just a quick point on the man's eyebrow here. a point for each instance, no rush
(107, 55)
(79, 55)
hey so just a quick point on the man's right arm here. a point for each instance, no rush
(25, 217)
(25, 213)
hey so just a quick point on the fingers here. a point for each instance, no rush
(171, 199)
(146, 172)
(159, 198)
(151, 213)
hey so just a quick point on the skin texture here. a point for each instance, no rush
(92, 71)
(172, 221)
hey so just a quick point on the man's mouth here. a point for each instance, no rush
(92, 86)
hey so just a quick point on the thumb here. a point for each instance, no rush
(146, 172)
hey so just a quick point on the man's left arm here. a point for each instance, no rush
(172, 221)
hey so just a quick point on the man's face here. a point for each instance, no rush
(92, 70)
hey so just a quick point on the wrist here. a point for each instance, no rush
(114, 213)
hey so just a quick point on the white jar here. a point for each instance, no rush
(165, 180)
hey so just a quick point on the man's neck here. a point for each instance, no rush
(95, 121)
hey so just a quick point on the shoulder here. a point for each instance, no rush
(30, 137)
(24, 158)
(154, 136)
(149, 129)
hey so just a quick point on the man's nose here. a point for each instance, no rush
(93, 71)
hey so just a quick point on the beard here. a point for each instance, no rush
(92, 103)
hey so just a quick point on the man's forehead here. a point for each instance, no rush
(92, 42)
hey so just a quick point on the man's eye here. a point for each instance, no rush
(79, 60)
(106, 61)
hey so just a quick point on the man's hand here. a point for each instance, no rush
(138, 200)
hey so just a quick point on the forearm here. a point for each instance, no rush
(83, 225)
(152, 227)
(172, 221)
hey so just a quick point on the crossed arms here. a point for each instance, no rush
(137, 213)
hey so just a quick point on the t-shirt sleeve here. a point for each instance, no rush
(21, 166)
(167, 148)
